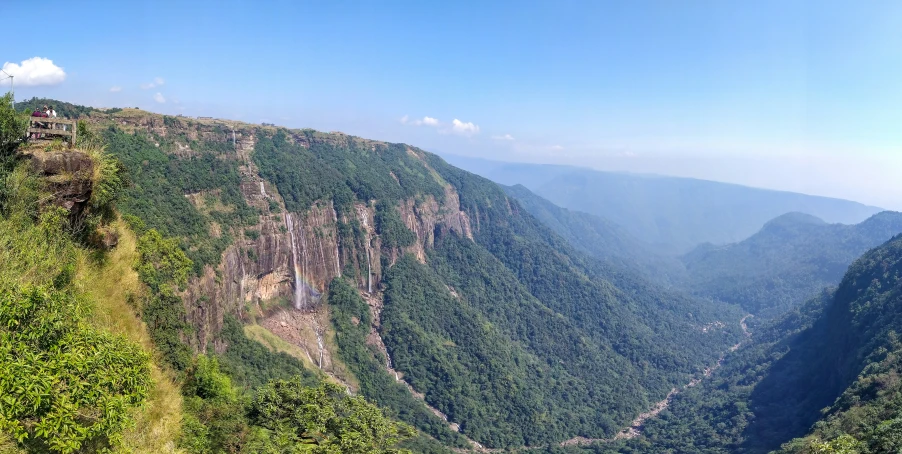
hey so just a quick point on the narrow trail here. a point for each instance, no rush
(635, 428)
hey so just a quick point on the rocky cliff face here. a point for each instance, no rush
(290, 258)
(67, 175)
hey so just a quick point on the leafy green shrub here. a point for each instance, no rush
(162, 263)
(215, 420)
(65, 385)
(12, 126)
(164, 267)
(325, 420)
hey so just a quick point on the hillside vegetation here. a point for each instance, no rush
(82, 373)
(530, 292)
(828, 369)
(591, 344)
(790, 259)
(454, 312)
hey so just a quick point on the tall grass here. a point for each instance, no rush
(113, 285)
(35, 248)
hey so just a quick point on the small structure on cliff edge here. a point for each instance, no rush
(42, 128)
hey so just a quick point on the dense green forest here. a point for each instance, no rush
(838, 353)
(790, 259)
(351, 318)
(557, 316)
(160, 181)
(341, 168)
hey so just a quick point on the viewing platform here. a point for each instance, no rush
(42, 128)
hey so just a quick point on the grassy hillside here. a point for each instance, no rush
(79, 370)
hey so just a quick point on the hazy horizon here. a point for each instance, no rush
(795, 97)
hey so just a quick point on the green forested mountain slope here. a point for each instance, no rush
(500, 323)
(672, 214)
(839, 351)
(791, 258)
(80, 372)
(540, 343)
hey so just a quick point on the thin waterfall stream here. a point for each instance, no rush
(298, 293)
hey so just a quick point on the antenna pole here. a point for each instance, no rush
(12, 88)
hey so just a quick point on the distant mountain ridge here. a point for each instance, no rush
(600, 237)
(671, 213)
(791, 258)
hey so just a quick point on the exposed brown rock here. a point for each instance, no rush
(67, 175)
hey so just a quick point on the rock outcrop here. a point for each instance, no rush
(67, 175)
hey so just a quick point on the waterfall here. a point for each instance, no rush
(318, 331)
(304, 267)
(262, 190)
(369, 273)
(337, 254)
(319, 342)
(298, 291)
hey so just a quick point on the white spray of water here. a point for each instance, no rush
(298, 294)
(319, 342)
(262, 190)
(304, 263)
(369, 272)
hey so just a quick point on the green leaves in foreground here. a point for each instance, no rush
(64, 386)
(324, 420)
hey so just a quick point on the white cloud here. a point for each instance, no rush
(159, 98)
(464, 129)
(157, 81)
(504, 137)
(115, 89)
(428, 121)
(34, 72)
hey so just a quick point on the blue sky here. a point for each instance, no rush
(803, 96)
